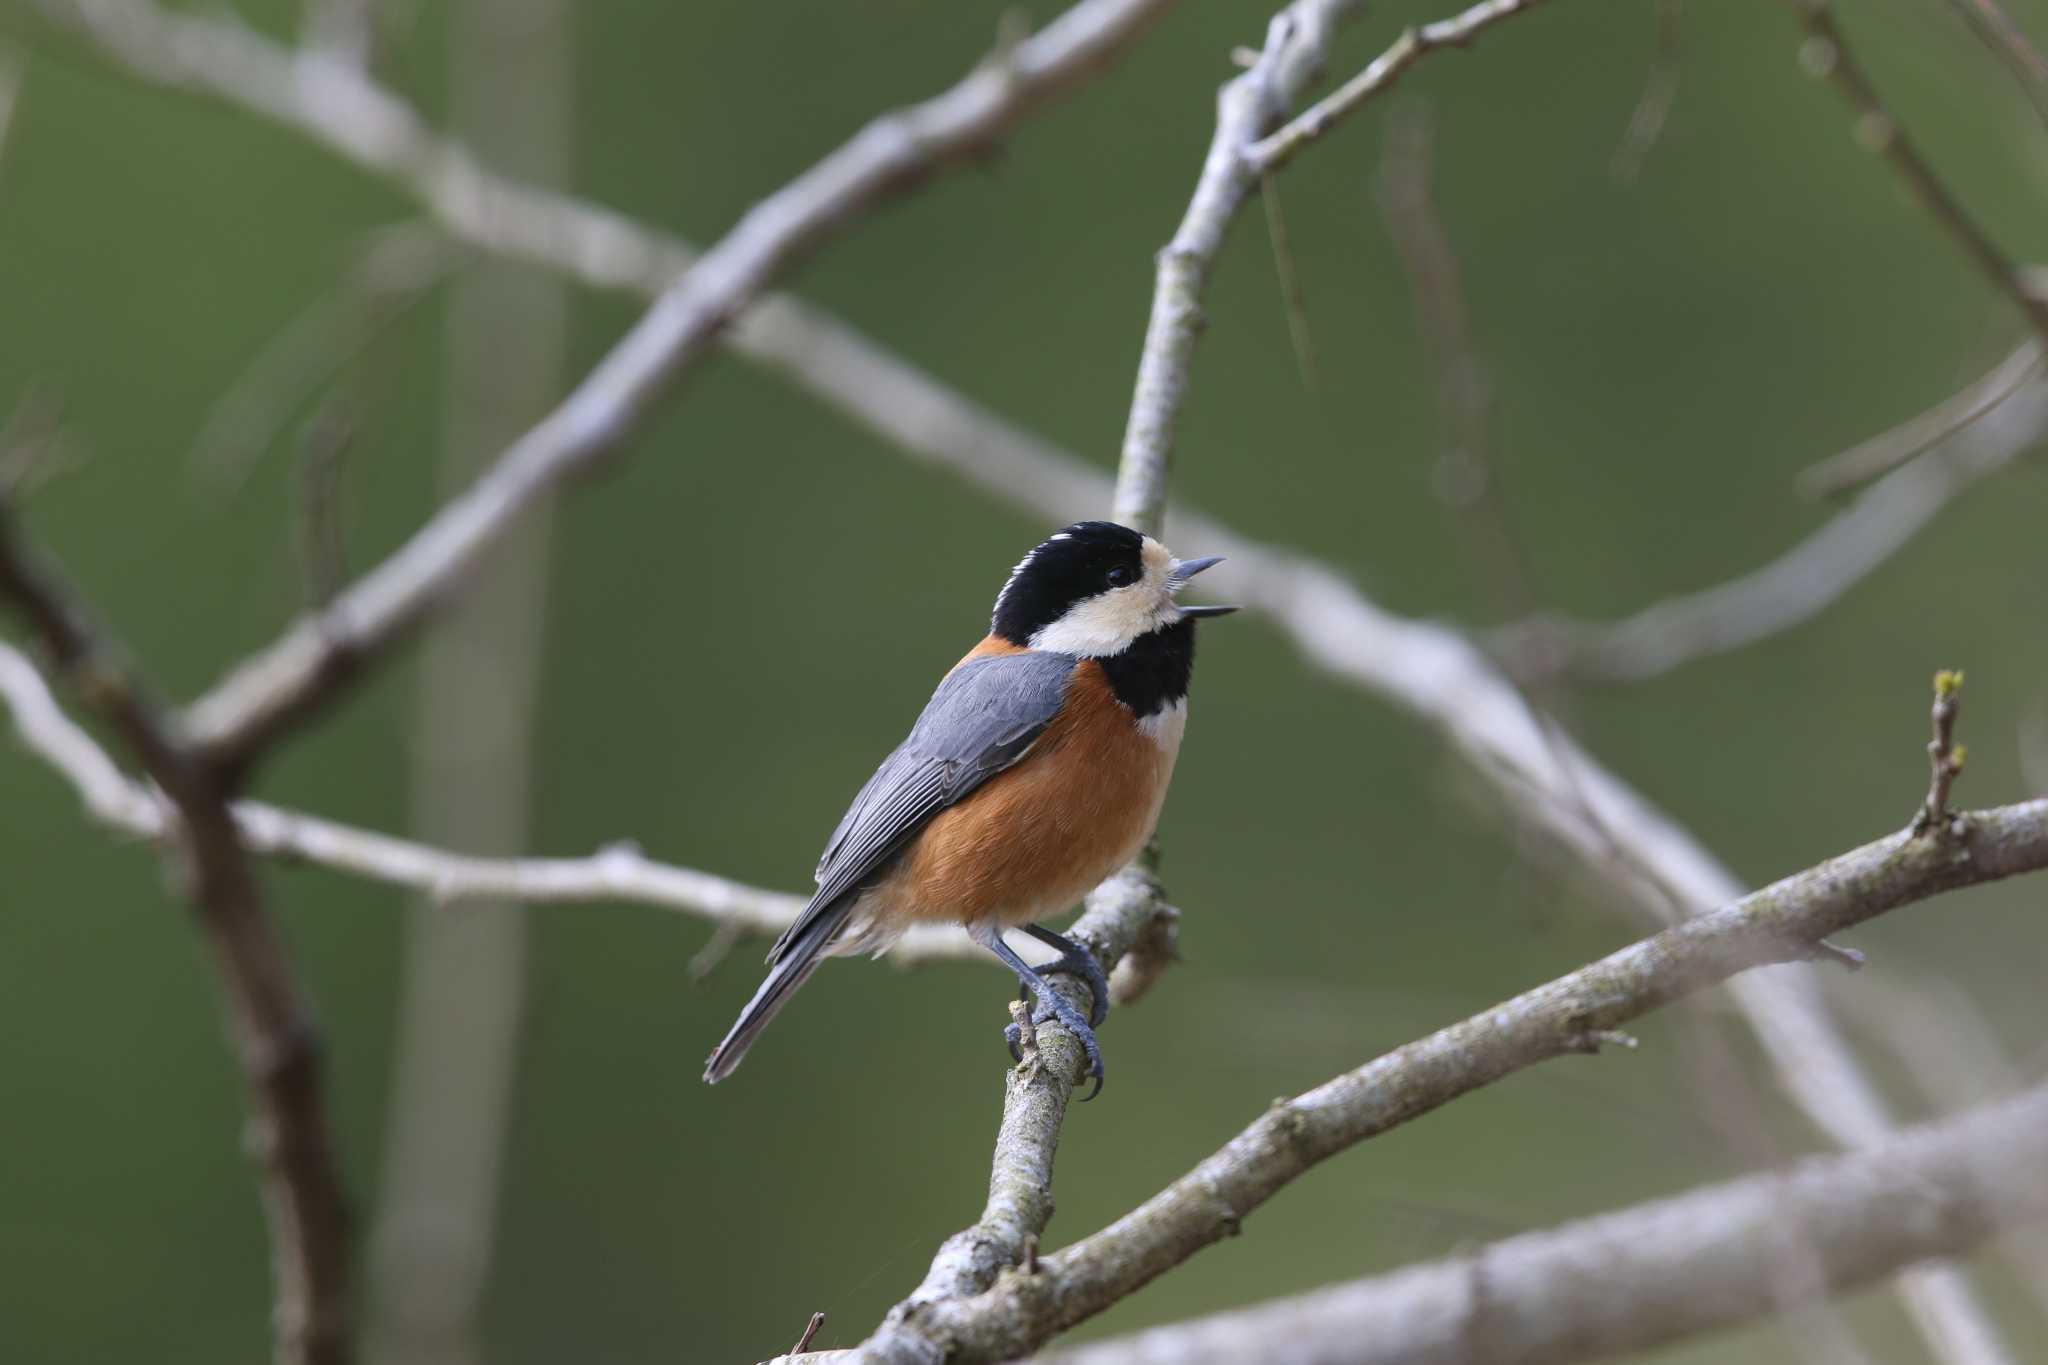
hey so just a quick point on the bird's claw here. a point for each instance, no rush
(1076, 960)
(1054, 1007)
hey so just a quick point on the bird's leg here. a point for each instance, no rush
(1051, 1004)
(1076, 960)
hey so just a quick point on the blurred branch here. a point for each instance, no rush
(342, 31)
(2010, 44)
(1939, 424)
(270, 1021)
(618, 872)
(1460, 30)
(10, 90)
(1801, 583)
(462, 1000)
(396, 268)
(1297, 44)
(1827, 55)
(1785, 922)
(314, 659)
(1949, 1048)
(1465, 477)
(1660, 92)
(1641, 1277)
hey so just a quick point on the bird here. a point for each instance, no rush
(1037, 769)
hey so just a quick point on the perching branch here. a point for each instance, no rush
(619, 872)
(1782, 923)
(270, 1022)
(1119, 912)
(287, 680)
(1641, 1277)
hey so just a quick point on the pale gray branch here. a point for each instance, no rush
(619, 873)
(1655, 1273)
(1804, 581)
(1782, 923)
(286, 680)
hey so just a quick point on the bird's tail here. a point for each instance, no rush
(792, 964)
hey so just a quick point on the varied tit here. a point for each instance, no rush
(1037, 769)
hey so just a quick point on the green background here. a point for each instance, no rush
(748, 608)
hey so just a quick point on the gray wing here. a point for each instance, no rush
(983, 718)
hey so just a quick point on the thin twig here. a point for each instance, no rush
(1292, 301)
(1918, 435)
(1656, 1273)
(270, 1022)
(1460, 30)
(2010, 44)
(1660, 92)
(1827, 55)
(803, 1343)
(1465, 475)
(1778, 924)
(1944, 756)
(289, 679)
(396, 269)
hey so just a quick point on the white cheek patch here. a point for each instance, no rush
(1107, 622)
(1165, 726)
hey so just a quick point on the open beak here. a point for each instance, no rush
(1183, 570)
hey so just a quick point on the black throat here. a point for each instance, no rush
(1153, 673)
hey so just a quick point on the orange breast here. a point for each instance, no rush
(1036, 838)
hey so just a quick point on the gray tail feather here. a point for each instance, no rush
(794, 961)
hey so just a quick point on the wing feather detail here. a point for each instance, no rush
(984, 717)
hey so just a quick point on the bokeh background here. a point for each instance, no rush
(746, 610)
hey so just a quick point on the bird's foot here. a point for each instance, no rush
(1054, 1006)
(1076, 960)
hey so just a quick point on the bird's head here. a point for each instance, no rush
(1093, 589)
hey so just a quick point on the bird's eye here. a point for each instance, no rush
(1120, 576)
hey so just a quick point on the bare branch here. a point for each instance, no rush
(1660, 92)
(1779, 924)
(270, 1021)
(2010, 44)
(1827, 55)
(1918, 435)
(10, 90)
(1798, 585)
(619, 872)
(284, 682)
(343, 31)
(1460, 30)
(1655, 1273)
